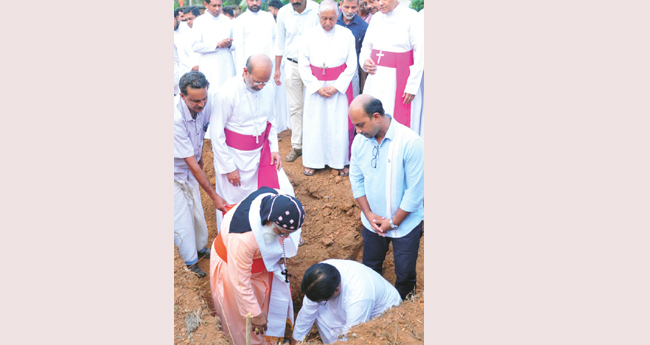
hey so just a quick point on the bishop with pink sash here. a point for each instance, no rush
(243, 135)
(394, 42)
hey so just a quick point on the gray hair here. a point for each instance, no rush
(193, 79)
(328, 5)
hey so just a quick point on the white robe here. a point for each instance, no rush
(216, 63)
(325, 120)
(396, 32)
(188, 58)
(254, 33)
(364, 295)
(233, 111)
(176, 69)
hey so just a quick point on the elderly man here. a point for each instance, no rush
(248, 275)
(292, 22)
(327, 61)
(244, 137)
(366, 9)
(349, 19)
(190, 121)
(338, 295)
(387, 179)
(392, 54)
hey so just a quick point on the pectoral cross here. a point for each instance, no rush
(324, 68)
(380, 55)
(286, 274)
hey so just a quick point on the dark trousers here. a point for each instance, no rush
(405, 254)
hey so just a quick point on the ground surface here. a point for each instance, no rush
(332, 229)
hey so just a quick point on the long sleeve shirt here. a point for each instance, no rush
(388, 188)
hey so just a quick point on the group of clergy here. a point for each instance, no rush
(223, 92)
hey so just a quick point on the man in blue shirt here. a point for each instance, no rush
(387, 179)
(349, 18)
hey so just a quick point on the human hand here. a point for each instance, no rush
(323, 91)
(370, 66)
(407, 97)
(219, 203)
(233, 178)
(259, 323)
(275, 159)
(276, 77)
(376, 222)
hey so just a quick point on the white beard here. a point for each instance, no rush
(269, 235)
(349, 16)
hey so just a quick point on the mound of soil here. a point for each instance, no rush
(332, 229)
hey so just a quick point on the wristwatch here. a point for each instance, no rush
(392, 226)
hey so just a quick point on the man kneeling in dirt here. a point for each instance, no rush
(248, 275)
(191, 116)
(338, 295)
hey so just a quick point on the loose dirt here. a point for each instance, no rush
(332, 229)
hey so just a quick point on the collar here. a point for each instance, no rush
(392, 129)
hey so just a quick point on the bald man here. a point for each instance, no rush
(387, 179)
(244, 135)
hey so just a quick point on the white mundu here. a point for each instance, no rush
(325, 120)
(397, 32)
(364, 295)
(215, 63)
(243, 111)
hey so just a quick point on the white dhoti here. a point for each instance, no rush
(190, 229)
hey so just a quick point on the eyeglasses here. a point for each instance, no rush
(375, 153)
(256, 83)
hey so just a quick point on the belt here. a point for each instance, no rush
(293, 60)
(258, 264)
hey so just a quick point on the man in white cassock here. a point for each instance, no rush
(189, 60)
(243, 135)
(213, 41)
(338, 295)
(392, 53)
(327, 62)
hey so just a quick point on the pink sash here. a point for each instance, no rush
(401, 62)
(266, 175)
(333, 73)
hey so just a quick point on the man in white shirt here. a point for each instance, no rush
(392, 53)
(338, 295)
(191, 115)
(292, 22)
(327, 62)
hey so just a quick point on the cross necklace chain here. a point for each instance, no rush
(257, 131)
(285, 272)
(327, 52)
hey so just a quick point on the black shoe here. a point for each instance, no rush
(205, 254)
(197, 270)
